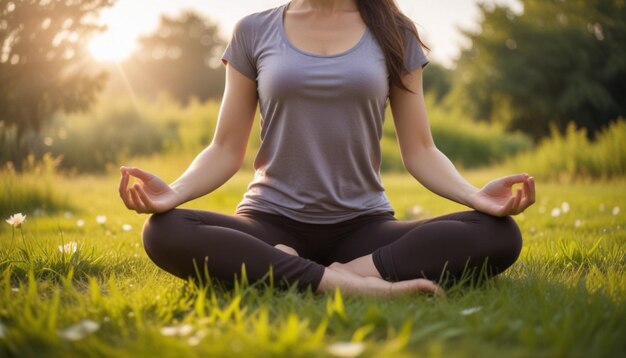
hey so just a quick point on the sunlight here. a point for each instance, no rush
(119, 39)
(111, 46)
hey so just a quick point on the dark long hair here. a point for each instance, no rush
(389, 25)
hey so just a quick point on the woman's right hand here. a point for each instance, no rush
(150, 195)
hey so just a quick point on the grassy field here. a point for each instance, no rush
(566, 296)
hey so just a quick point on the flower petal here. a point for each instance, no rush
(16, 219)
(68, 248)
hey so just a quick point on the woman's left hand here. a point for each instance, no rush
(496, 198)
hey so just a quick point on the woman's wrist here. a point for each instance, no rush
(180, 195)
(469, 196)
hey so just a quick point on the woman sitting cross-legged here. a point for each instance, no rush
(316, 213)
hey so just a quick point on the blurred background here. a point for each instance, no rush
(88, 85)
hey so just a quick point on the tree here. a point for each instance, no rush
(437, 80)
(557, 61)
(44, 62)
(182, 57)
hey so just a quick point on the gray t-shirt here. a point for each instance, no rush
(321, 122)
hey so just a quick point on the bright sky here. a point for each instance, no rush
(439, 21)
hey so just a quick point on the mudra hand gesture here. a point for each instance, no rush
(149, 195)
(496, 198)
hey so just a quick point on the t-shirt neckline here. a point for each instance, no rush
(283, 33)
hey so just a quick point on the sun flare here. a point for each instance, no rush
(111, 46)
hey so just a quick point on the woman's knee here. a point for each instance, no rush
(512, 237)
(506, 242)
(159, 231)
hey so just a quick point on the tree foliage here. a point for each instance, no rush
(44, 62)
(557, 61)
(437, 80)
(182, 58)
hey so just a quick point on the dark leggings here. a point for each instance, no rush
(187, 242)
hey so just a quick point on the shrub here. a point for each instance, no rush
(572, 156)
(610, 151)
(93, 143)
(467, 143)
(118, 129)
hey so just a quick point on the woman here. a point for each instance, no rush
(316, 214)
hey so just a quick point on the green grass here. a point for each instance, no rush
(566, 296)
(32, 192)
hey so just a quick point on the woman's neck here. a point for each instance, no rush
(328, 6)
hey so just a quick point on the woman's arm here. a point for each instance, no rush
(212, 167)
(435, 171)
(224, 156)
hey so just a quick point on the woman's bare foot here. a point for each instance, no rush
(338, 275)
(362, 266)
(338, 266)
(335, 276)
(287, 249)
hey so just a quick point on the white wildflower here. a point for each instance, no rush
(578, 223)
(127, 227)
(185, 329)
(345, 349)
(101, 219)
(555, 212)
(80, 330)
(471, 310)
(615, 210)
(68, 248)
(80, 222)
(196, 338)
(15, 289)
(67, 214)
(169, 330)
(565, 207)
(193, 340)
(182, 330)
(16, 220)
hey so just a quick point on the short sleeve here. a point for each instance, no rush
(239, 52)
(414, 56)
